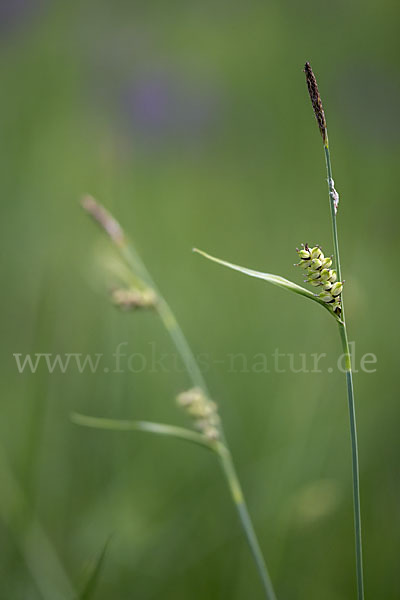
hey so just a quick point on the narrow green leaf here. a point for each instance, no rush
(274, 279)
(91, 583)
(156, 428)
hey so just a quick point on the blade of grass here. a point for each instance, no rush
(36, 547)
(88, 591)
(273, 279)
(180, 433)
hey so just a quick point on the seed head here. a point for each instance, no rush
(319, 274)
(337, 289)
(316, 252)
(202, 410)
(304, 254)
(316, 264)
(327, 262)
(131, 299)
(325, 274)
(326, 296)
(316, 101)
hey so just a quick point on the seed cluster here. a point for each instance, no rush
(130, 299)
(320, 274)
(202, 410)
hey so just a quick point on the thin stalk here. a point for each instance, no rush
(149, 427)
(36, 547)
(139, 270)
(350, 391)
(167, 317)
(244, 516)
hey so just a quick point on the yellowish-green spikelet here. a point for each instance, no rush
(202, 410)
(319, 274)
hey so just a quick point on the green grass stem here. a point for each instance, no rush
(350, 392)
(139, 270)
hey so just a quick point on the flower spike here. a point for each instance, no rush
(316, 102)
(202, 410)
(319, 274)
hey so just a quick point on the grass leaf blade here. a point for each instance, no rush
(88, 591)
(147, 426)
(270, 278)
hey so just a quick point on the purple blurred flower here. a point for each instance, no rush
(16, 12)
(160, 106)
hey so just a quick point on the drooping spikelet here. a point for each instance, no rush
(319, 274)
(131, 299)
(202, 410)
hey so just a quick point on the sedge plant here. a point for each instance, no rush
(328, 280)
(140, 292)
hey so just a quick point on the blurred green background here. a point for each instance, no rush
(191, 122)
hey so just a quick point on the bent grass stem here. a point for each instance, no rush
(138, 268)
(228, 468)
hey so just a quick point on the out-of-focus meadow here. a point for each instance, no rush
(191, 122)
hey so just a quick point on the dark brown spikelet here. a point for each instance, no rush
(316, 101)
